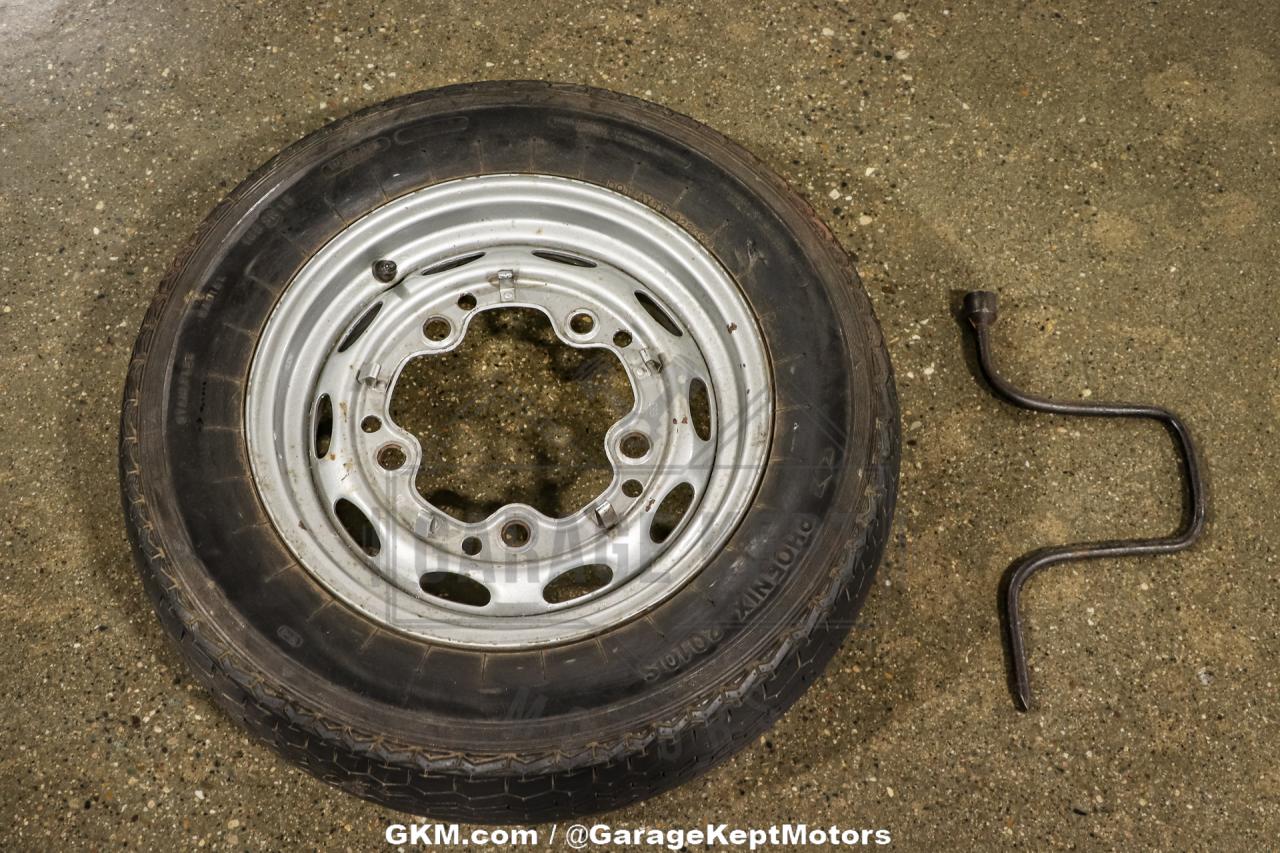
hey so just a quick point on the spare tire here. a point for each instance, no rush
(516, 663)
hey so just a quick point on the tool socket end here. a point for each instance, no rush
(981, 307)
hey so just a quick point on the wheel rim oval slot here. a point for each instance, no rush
(700, 408)
(670, 512)
(359, 327)
(660, 314)
(456, 588)
(453, 263)
(358, 526)
(563, 258)
(577, 583)
(322, 426)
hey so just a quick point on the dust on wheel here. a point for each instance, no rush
(362, 577)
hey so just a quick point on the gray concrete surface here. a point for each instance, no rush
(1111, 168)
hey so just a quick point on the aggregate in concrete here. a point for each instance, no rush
(1110, 168)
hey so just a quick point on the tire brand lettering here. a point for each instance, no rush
(683, 652)
(182, 393)
(356, 155)
(290, 636)
(269, 220)
(425, 129)
(790, 550)
(793, 545)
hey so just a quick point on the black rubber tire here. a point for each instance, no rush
(510, 736)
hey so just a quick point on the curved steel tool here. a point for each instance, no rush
(980, 311)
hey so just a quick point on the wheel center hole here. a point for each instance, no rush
(512, 415)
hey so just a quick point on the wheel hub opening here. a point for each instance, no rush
(513, 414)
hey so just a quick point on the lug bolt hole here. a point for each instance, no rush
(582, 323)
(391, 457)
(515, 534)
(634, 445)
(471, 546)
(436, 329)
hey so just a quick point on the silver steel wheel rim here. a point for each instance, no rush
(559, 246)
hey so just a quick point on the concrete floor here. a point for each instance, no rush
(1111, 169)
